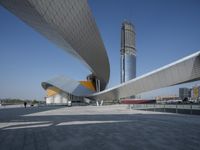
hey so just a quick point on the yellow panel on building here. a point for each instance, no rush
(51, 91)
(88, 84)
(196, 92)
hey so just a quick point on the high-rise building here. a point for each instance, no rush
(128, 52)
(184, 93)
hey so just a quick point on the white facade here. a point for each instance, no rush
(60, 98)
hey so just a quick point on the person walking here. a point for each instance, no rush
(25, 103)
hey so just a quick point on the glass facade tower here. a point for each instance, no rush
(128, 52)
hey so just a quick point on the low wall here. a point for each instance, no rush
(171, 108)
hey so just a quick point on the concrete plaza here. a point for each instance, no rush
(90, 127)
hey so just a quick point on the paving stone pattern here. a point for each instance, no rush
(113, 127)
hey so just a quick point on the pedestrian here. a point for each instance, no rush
(25, 104)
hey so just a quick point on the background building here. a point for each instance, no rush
(128, 52)
(184, 93)
(195, 92)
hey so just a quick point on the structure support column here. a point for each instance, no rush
(97, 102)
(101, 103)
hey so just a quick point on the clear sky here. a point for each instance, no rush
(166, 30)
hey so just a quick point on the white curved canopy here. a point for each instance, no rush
(184, 70)
(67, 85)
(69, 24)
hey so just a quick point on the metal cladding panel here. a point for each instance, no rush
(67, 85)
(70, 25)
(184, 70)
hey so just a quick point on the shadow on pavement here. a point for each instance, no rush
(97, 132)
(15, 113)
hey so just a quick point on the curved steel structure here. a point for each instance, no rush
(69, 24)
(184, 70)
(67, 85)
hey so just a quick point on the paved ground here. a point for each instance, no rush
(92, 128)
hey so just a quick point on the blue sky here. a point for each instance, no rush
(166, 30)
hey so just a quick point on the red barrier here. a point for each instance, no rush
(138, 101)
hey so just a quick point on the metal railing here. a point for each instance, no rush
(173, 108)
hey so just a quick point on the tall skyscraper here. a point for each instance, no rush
(128, 52)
